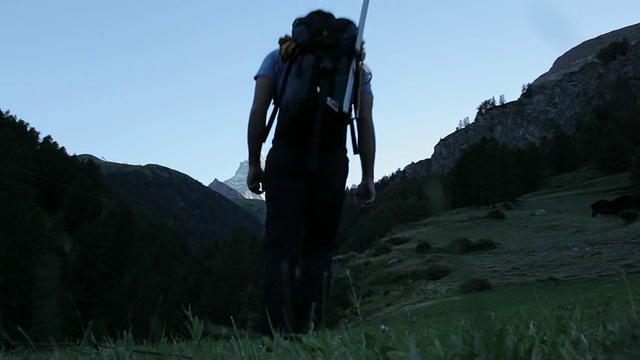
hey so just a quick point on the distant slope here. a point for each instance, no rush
(201, 214)
(224, 189)
(256, 207)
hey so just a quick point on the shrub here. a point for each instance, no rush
(398, 240)
(614, 49)
(437, 271)
(423, 247)
(460, 246)
(475, 285)
(381, 249)
(496, 214)
(464, 245)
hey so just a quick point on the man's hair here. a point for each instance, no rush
(321, 15)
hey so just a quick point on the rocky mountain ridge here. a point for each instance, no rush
(571, 89)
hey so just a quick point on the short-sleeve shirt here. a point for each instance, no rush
(273, 67)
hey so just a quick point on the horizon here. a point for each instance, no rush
(170, 84)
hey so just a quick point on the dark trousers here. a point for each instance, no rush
(303, 213)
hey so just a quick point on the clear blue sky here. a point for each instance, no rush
(170, 82)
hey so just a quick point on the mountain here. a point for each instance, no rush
(593, 75)
(203, 215)
(239, 181)
(224, 189)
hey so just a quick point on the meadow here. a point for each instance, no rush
(544, 281)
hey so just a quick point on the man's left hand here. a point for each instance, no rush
(254, 180)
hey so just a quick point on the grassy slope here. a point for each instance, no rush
(556, 293)
(564, 245)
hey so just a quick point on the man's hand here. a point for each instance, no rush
(365, 194)
(254, 179)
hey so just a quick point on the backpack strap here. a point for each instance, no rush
(276, 101)
(356, 110)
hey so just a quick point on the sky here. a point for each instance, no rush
(171, 82)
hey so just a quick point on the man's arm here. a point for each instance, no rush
(366, 136)
(367, 145)
(255, 132)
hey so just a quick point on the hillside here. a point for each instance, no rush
(582, 87)
(224, 189)
(586, 52)
(562, 245)
(201, 214)
(91, 246)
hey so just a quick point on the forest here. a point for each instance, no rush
(77, 257)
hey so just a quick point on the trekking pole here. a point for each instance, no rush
(352, 70)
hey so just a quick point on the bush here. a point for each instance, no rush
(460, 246)
(398, 240)
(437, 271)
(423, 247)
(611, 52)
(475, 285)
(381, 249)
(464, 245)
(496, 214)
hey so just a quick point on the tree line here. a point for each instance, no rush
(77, 257)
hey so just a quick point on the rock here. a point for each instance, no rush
(392, 262)
(540, 212)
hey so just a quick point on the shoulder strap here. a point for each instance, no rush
(276, 101)
(356, 110)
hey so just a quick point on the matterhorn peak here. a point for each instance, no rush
(239, 181)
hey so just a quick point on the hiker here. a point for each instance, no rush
(306, 169)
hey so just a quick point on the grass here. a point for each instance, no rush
(595, 319)
(564, 286)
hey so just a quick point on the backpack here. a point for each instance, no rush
(318, 58)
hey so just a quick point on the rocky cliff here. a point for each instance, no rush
(577, 82)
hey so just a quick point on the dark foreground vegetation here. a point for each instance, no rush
(77, 256)
(594, 320)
